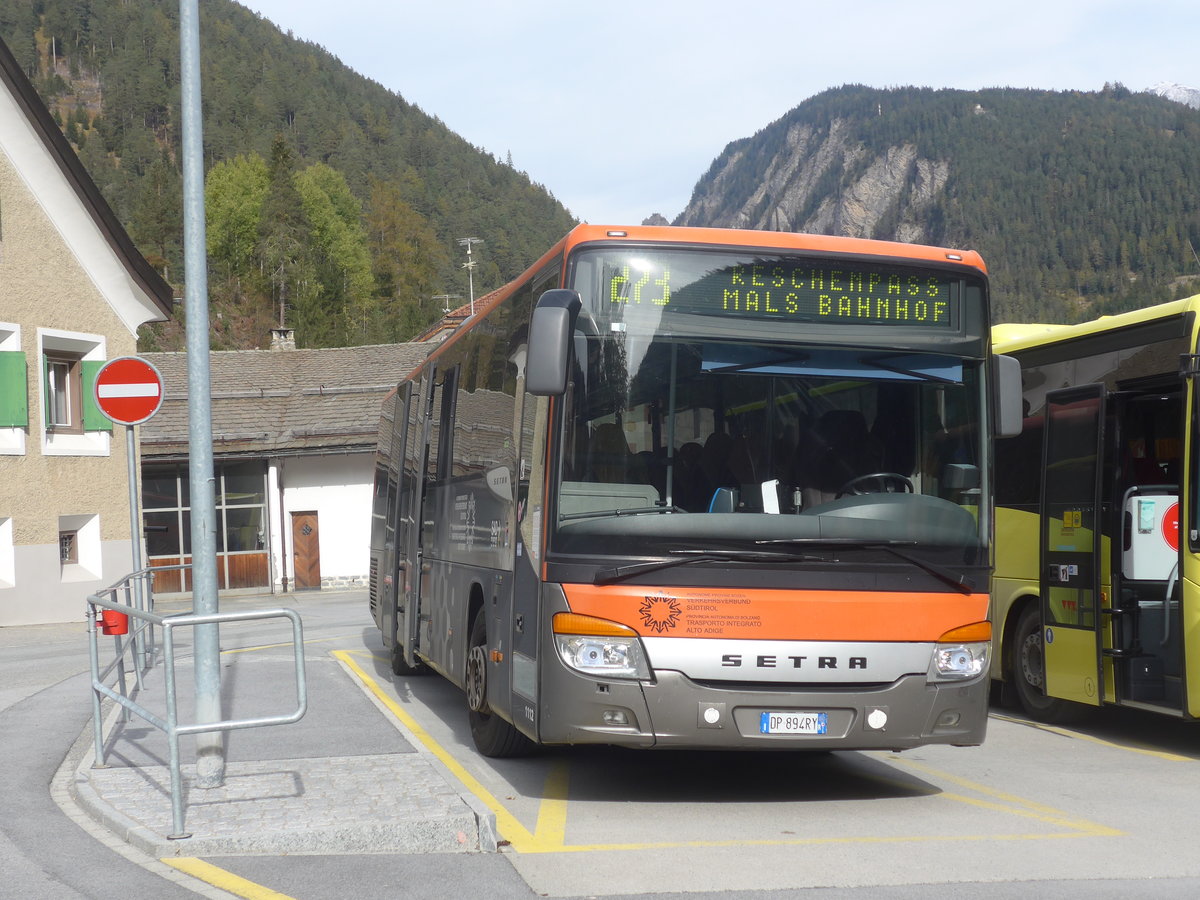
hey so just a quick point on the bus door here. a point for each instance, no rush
(1146, 587)
(387, 494)
(409, 503)
(1071, 526)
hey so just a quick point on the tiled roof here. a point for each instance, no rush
(266, 402)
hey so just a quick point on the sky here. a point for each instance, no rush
(619, 108)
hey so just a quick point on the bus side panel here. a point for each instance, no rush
(464, 528)
(1015, 582)
(477, 482)
(1191, 638)
(525, 632)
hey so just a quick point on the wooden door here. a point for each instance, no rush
(306, 551)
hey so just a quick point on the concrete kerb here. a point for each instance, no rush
(382, 803)
(485, 818)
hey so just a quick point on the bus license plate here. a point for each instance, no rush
(793, 723)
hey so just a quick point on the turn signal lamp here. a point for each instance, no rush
(575, 623)
(599, 648)
(962, 653)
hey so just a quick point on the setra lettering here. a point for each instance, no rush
(771, 661)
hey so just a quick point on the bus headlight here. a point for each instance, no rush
(599, 647)
(962, 653)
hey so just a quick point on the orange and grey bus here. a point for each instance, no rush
(702, 488)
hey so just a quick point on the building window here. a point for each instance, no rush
(79, 549)
(241, 525)
(64, 394)
(68, 547)
(72, 420)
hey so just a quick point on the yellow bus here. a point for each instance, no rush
(1095, 598)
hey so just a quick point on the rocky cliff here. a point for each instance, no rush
(896, 184)
(1078, 200)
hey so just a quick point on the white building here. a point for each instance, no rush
(294, 435)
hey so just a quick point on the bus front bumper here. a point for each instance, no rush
(675, 711)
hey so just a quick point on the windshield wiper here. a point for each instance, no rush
(620, 573)
(958, 581)
(624, 511)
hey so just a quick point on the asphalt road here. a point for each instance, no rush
(1105, 809)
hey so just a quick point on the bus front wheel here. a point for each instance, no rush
(1028, 673)
(493, 736)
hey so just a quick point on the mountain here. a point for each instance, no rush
(332, 201)
(1082, 203)
(1179, 93)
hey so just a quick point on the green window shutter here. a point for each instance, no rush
(14, 392)
(93, 419)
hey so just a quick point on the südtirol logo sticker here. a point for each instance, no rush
(660, 613)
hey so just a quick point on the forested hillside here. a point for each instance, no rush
(335, 202)
(327, 194)
(1082, 203)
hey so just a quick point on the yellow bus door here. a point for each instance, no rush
(1071, 527)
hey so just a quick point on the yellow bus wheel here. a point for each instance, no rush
(1027, 671)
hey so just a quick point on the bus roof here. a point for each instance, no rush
(1011, 336)
(786, 240)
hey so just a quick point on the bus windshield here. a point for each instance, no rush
(687, 425)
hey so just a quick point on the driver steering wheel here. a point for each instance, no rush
(877, 483)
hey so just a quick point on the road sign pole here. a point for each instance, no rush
(135, 535)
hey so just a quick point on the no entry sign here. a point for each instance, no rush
(128, 390)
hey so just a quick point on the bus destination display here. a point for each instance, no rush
(787, 289)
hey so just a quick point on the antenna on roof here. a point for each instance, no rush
(469, 265)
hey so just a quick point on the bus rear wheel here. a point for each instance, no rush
(1028, 673)
(493, 737)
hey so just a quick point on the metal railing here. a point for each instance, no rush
(140, 642)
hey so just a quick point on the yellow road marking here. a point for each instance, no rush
(1019, 806)
(510, 828)
(220, 878)
(551, 830)
(806, 842)
(549, 835)
(1079, 735)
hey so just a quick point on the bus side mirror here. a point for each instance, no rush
(1007, 396)
(550, 342)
